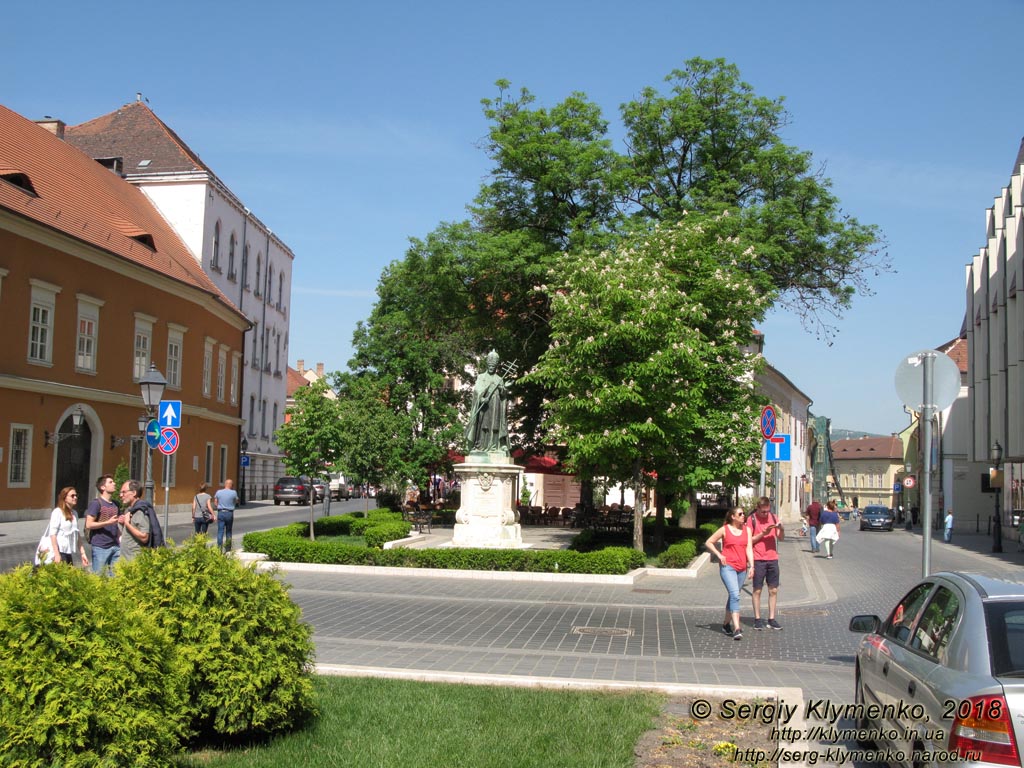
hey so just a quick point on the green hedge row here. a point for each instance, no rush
(282, 545)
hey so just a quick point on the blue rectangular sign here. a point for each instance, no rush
(169, 414)
(778, 448)
(245, 461)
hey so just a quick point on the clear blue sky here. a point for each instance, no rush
(349, 128)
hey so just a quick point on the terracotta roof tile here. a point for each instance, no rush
(79, 197)
(868, 448)
(296, 381)
(137, 135)
(957, 351)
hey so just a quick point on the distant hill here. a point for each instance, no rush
(851, 434)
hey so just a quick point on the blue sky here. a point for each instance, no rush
(349, 128)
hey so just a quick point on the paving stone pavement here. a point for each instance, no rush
(656, 631)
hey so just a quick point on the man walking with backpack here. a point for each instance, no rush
(136, 529)
(766, 533)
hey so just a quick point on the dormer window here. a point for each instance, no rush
(19, 180)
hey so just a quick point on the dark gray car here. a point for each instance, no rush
(289, 489)
(941, 680)
(877, 518)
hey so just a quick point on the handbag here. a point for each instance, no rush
(204, 512)
(44, 552)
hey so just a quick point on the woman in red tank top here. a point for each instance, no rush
(736, 561)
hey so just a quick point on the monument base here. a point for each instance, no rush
(487, 516)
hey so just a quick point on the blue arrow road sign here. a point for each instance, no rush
(778, 448)
(169, 413)
(153, 433)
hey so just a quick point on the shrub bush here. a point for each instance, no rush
(247, 655)
(86, 677)
(705, 530)
(379, 534)
(678, 555)
(389, 500)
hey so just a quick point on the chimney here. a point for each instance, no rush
(53, 125)
(319, 370)
(301, 366)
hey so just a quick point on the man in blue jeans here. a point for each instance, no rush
(225, 501)
(101, 523)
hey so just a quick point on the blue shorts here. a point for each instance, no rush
(766, 570)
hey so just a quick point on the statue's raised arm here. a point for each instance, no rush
(487, 430)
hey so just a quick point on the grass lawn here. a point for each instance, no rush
(371, 722)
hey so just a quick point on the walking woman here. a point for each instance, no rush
(202, 509)
(829, 533)
(736, 564)
(62, 530)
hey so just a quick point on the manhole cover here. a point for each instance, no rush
(603, 631)
(653, 591)
(805, 612)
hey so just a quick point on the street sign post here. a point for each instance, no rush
(169, 414)
(169, 441)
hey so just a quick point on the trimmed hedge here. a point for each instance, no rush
(679, 555)
(379, 534)
(282, 545)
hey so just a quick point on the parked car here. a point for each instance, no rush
(289, 489)
(338, 486)
(946, 669)
(877, 518)
(320, 486)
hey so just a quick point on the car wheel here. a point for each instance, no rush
(861, 723)
(277, 502)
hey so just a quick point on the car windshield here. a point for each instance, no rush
(1005, 621)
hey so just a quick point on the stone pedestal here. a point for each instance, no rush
(487, 516)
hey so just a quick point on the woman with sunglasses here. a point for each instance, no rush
(736, 561)
(62, 531)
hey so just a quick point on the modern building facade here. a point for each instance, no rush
(95, 288)
(238, 252)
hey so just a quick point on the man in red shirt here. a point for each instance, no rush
(766, 532)
(813, 515)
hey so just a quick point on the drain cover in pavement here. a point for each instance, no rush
(603, 631)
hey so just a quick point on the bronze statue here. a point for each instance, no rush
(488, 426)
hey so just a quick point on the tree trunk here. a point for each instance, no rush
(638, 512)
(312, 502)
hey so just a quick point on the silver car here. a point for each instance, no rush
(941, 680)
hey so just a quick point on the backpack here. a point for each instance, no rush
(156, 533)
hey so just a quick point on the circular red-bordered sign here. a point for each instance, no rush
(909, 481)
(767, 422)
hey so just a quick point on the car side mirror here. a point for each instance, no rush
(865, 624)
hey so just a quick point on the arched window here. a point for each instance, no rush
(270, 281)
(231, 256)
(245, 266)
(259, 272)
(280, 290)
(215, 256)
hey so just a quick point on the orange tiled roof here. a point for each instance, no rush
(868, 448)
(296, 381)
(75, 195)
(135, 134)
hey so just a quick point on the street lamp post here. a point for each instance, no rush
(244, 445)
(997, 520)
(152, 386)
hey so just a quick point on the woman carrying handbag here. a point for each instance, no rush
(61, 538)
(202, 510)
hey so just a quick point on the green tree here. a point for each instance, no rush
(312, 438)
(650, 365)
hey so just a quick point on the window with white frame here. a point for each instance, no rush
(41, 317)
(88, 333)
(255, 361)
(259, 273)
(263, 418)
(223, 464)
(252, 415)
(19, 462)
(270, 281)
(277, 354)
(208, 366)
(175, 350)
(208, 473)
(280, 290)
(245, 266)
(236, 361)
(222, 365)
(143, 344)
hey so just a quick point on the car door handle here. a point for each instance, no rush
(912, 688)
(885, 668)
